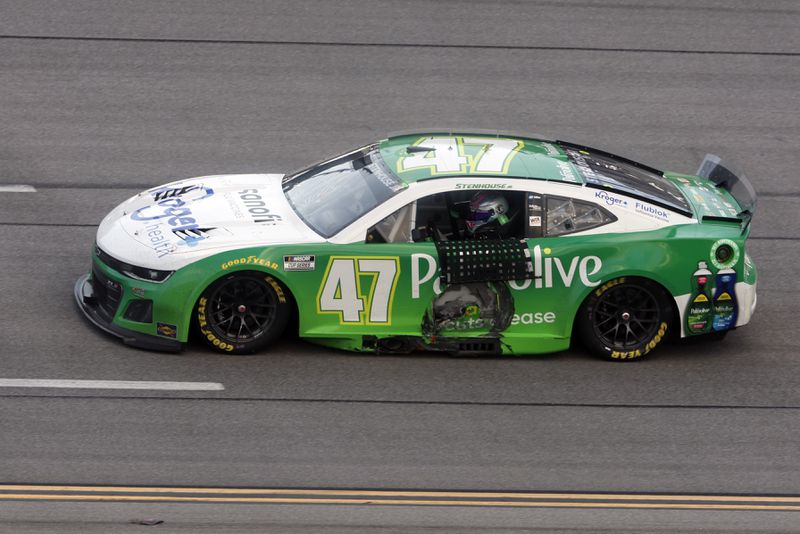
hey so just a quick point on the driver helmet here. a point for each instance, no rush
(485, 208)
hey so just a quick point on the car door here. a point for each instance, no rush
(451, 290)
(376, 285)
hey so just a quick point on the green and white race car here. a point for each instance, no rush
(467, 243)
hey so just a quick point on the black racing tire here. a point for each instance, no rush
(625, 318)
(243, 312)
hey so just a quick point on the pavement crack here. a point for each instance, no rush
(402, 45)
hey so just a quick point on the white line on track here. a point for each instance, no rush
(17, 188)
(110, 384)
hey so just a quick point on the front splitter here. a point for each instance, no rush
(84, 292)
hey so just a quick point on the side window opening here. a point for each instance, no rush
(396, 228)
(405, 224)
(567, 216)
(444, 217)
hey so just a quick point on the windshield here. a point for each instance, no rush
(331, 195)
(612, 173)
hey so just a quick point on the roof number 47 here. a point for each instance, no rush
(461, 155)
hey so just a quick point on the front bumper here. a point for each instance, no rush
(86, 298)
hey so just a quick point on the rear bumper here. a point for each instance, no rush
(746, 298)
(87, 301)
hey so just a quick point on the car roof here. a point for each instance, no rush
(532, 158)
(463, 154)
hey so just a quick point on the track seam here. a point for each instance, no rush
(408, 402)
(400, 45)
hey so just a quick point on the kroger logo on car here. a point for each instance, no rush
(610, 199)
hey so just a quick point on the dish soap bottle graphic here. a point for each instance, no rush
(698, 312)
(725, 306)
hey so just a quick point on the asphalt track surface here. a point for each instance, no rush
(101, 99)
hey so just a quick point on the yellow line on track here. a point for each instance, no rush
(433, 502)
(390, 493)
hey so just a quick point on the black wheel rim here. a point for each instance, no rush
(242, 309)
(626, 316)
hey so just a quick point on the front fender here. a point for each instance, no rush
(191, 281)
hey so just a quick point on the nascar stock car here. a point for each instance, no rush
(466, 243)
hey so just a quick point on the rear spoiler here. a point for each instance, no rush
(736, 184)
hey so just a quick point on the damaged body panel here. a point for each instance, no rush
(457, 242)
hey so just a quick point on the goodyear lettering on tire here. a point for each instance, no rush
(638, 353)
(203, 322)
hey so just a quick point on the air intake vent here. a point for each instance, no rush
(482, 346)
(107, 294)
(140, 311)
(194, 234)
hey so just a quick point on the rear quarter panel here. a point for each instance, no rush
(574, 266)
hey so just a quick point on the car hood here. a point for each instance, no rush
(173, 225)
